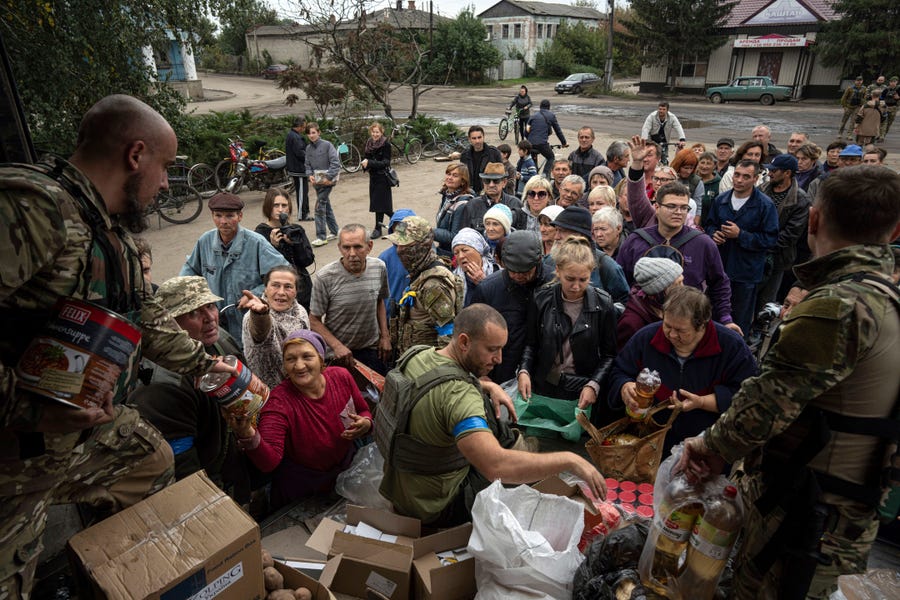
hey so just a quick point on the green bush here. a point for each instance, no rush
(554, 61)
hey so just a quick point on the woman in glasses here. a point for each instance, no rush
(455, 194)
(536, 196)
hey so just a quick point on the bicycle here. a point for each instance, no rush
(431, 149)
(411, 148)
(202, 177)
(540, 157)
(180, 203)
(349, 154)
(664, 154)
(455, 143)
(510, 121)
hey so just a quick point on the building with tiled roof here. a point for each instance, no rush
(765, 37)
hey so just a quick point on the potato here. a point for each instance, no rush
(280, 595)
(267, 559)
(302, 593)
(274, 580)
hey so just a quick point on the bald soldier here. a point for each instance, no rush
(66, 233)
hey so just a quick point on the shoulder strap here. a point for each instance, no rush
(691, 234)
(644, 235)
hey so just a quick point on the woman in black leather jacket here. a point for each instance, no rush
(571, 339)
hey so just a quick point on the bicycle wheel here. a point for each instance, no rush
(224, 171)
(504, 128)
(413, 150)
(202, 178)
(179, 204)
(430, 150)
(350, 157)
(516, 132)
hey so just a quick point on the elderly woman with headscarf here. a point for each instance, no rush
(474, 259)
(307, 429)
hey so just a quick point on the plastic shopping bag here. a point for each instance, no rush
(360, 482)
(543, 416)
(525, 543)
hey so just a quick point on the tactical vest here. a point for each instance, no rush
(399, 448)
(410, 331)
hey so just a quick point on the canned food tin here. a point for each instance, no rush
(241, 394)
(80, 354)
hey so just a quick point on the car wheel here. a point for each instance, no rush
(576, 89)
(767, 100)
(716, 99)
(559, 91)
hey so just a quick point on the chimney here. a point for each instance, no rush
(399, 4)
(411, 4)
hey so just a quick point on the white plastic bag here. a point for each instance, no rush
(360, 482)
(525, 543)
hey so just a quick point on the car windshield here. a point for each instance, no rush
(575, 77)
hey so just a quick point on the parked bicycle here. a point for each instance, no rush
(405, 144)
(349, 154)
(510, 122)
(180, 203)
(202, 177)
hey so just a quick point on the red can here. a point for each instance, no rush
(241, 394)
(627, 486)
(80, 355)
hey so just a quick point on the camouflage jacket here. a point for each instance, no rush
(433, 300)
(49, 252)
(838, 350)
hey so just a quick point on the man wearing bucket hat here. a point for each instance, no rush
(493, 178)
(607, 274)
(232, 259)
(189, 420)
(510, 291)
(67, 233)
(425, 312)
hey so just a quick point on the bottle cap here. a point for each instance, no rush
(730, 491)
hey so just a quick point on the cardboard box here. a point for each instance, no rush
(383, 566)
(294, 579)
(434, 581)
(189, 540)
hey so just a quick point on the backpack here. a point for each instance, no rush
(669, 250)
(400, 395)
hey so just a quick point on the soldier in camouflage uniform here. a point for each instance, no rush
(427, 308)
(836, 356)
(65, 234)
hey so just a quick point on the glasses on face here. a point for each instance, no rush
(536, 194)
(663, 179)
(487, 182)
(676, 208)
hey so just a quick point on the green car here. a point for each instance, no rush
(753, 88)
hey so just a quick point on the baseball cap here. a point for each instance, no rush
(181, 295)
(725, 142)
(783, 162)
(852, 150)
(522, 251)
(410, 230)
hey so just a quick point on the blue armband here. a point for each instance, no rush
(470, 424)
(444, 329)
(181, 445)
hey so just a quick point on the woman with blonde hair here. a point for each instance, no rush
(536, 196)
(377, 162)
(601, 196)
(571, 340)
(455, 194)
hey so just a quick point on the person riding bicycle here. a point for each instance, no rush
(522, 104)
(661, 126)
(539, 127)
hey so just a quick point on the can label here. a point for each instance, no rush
(243, 394)
(79, 356)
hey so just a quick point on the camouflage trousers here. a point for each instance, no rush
(120, 463)
(847, 555)
(889, 114)
(849, 115)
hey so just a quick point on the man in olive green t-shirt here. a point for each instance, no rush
(454, 413)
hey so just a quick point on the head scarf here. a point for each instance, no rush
(471, 238)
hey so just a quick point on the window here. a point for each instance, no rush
(517, 30)
(694, 69)
(490, 32)
(540, 30)
(505, 35)
(549, 29)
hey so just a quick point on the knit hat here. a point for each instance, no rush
(654, 275)
(306, 335)
(501, 214)
(181, 295)
(551, 212)
(575, 218)
(603, 170)
(522, 251)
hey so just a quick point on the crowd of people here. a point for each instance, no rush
(563, 283)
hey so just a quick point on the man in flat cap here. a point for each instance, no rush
(188, 419)
(426, 310)
(232, 259)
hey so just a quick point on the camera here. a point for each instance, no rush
(770, 312)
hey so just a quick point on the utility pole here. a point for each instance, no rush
(608, 75)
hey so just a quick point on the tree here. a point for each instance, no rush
(236, 17)
(461, 52)
(67, 55)
(864, 40)
(573, 47)
(673, 32)
(381, 57)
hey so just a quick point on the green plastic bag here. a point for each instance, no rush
(547, 417)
